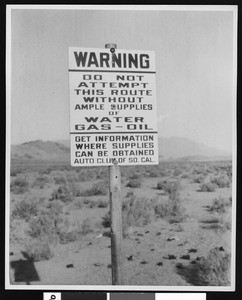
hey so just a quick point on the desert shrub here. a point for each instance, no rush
(169, 186)
(59, 180)
(13, 173)
(86, 175)
(72, 177)
(198, 179)
(62, 193)
(74, 189)
(212, 270)
(220, 205)
(102, 203)
(137, 211)
(97, 189)
(19, 186)
(25, 210)
(106, 220)
(46, 225)
(38, 250)
(129, 194)
(40, 182)
(220, 224)
(177, 172)
(134, 183)
(86, 226)
(208, 187)
(46, 171)
(78, 203)
(89, 203)
(221, 181)
(171, 209)
(55, 207)
(134, 176)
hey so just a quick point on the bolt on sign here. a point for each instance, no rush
(112, 107)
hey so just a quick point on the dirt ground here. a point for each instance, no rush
(152, 252)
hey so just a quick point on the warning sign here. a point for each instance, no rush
(112, 107)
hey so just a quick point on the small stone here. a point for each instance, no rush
(69, 266)
(130, 258)
(109, 266)
(140, 234)
(185, 257)
(179, 266)
(192, 250)
(221, 248)
(170, 256)
(159, 264)
(147, 231)
(143, 262)
(11, 253)
(98, 264)
(152, 249)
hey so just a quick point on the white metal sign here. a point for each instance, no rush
(112, 107)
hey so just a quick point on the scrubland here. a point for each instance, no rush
(176, 225)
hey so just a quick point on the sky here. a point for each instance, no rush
(194, 65)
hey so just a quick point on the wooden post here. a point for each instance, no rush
(115, 213)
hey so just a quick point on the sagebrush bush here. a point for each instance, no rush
(106, 220)
(25, 210)
(86, 226)
(134, 183)
(98, 188)
(40, 182)
(137, 211)
(210, 271)
(198, 179)
(59, 180)
(220, 205)
(38, 250)
(171, 209)
(19, 186)
(221, 181)
(169, 186)
(102, 203)
(208, 187)
(62, 193)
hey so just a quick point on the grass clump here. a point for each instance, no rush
(19, 186)
(212, 270)
(98, 188)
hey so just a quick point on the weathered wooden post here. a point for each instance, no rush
(115, 212)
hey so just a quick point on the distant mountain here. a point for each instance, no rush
(40, 150)
(178, 147)
(173, 148)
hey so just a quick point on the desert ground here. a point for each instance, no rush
(176, 224)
